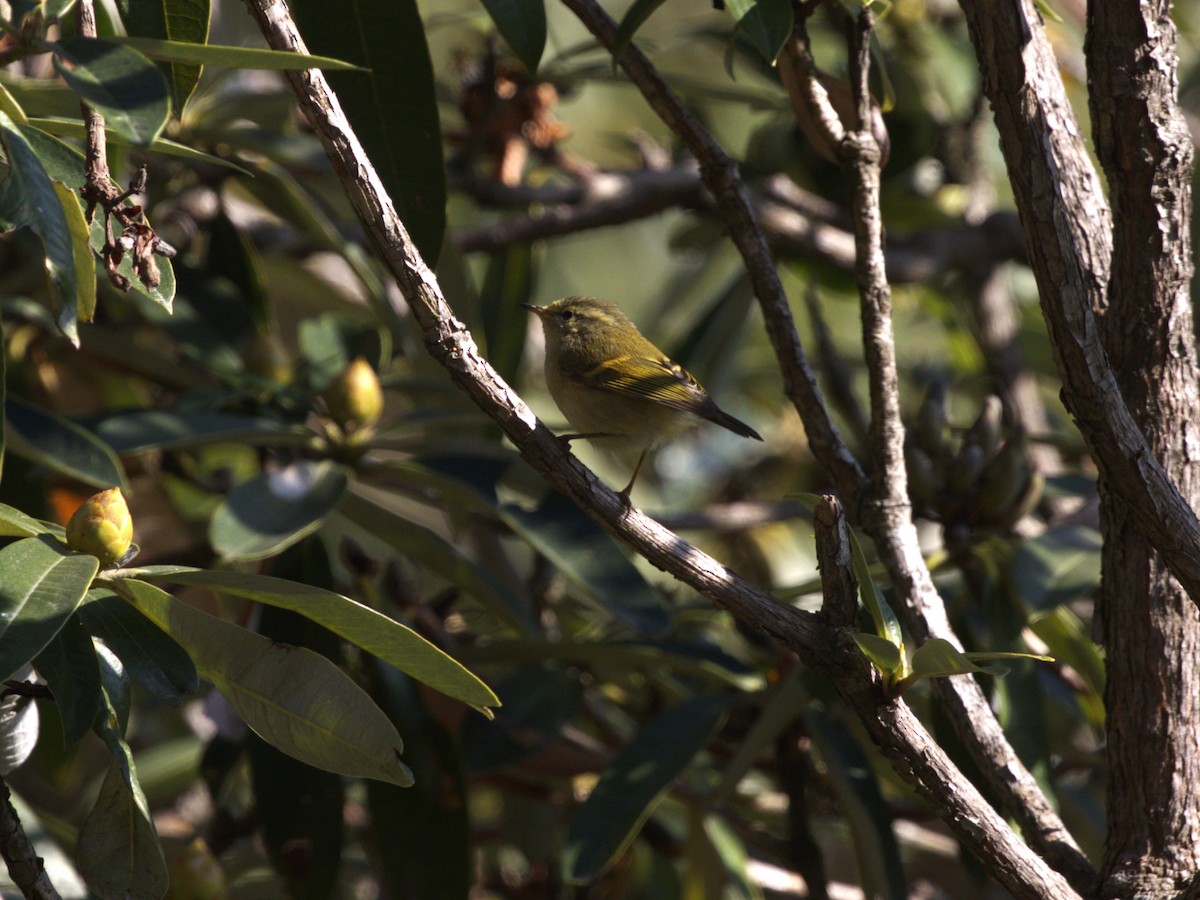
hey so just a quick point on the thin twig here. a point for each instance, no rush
(721, 178)
(891, 724)
(24, 865)
(837, 375)
(887, 513)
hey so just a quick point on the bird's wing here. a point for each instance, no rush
(658, 380)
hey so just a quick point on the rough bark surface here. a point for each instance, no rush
(1151, 630)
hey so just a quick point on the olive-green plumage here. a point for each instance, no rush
(616, 387)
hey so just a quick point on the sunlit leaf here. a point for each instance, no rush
(362, 626)
(292, 698)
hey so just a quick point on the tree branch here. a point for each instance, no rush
(24, 865)
(887, 513)
(793, 222)
(890, 724)
(1069, 242)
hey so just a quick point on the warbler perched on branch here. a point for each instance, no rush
(616, 387)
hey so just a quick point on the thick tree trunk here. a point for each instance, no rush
(1151, 629)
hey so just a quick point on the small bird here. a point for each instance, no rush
(615, 386)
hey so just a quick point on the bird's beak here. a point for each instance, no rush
(539, 311)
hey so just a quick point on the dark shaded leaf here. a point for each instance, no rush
(68, 663)
(522, 24)
(1058, 566)
(156, 662)
(537, 701)
(177, 20)
(61, 445)
(590, 559)
(119, 82)
(629, 789)
(274, 510)
(394, 108)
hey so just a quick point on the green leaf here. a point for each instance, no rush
(394, 108)
(84, 306)
(631, 786)
(635, 17)
(74, 128)
(156, 662)
(428, 551)
(158, 429)
(64, 163)
(3, 406)
(14, 523)
(43, 212)
(766, 23)
(1058, 566)
(41, 584)
(507, 285)
(887, 657)
(590, 559)
(360, 625)
(118, 851)
(275, 509)
(887, 626)
(61, 445)
(522, 24)
(232, 57)
(176, 20)
(119, 82)
(293, 698)
(938, 658)
(68, 663)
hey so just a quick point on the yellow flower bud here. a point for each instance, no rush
(102, 527)
(355, 399)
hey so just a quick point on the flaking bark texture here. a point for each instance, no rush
(1151, 629)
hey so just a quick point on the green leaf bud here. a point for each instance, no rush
(355, 399)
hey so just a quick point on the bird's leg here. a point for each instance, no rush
(624, 493)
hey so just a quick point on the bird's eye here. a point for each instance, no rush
(566, 314)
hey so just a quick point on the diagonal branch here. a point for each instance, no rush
(891, 724)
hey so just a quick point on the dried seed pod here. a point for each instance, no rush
(102, 527)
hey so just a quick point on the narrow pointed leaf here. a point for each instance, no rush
(61, 445)
(73, 128)
(882, 652)
(293, 698)
(360, 625)
(176, 20)
(630, 788)
(43, 212)
(119, 82)
(766, 23)
(85, 261)
(41, 585)
(231, 57)
(393, 109)
(522, 24)
(635, 17)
